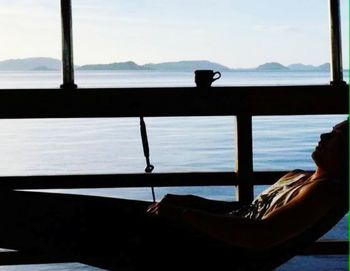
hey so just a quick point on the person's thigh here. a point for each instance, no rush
(102, 231)
(67, 223)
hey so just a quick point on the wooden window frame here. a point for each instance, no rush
(242, 102)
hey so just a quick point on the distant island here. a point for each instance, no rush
(272, 66)
(166, 66)
(52, 64)
(129, 65)
(30, 64)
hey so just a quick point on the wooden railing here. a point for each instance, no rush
(240, 102)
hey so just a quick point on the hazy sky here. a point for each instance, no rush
(236, 33)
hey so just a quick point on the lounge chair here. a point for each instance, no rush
(218, 258)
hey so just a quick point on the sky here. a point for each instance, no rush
(235, 33)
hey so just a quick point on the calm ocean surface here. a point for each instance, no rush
(88, 146)
(47, 79)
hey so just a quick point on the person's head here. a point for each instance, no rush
(331, 155)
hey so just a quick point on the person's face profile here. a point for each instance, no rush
(330, 153)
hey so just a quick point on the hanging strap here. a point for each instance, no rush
(149, 168)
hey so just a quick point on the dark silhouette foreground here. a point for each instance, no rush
(185, 231)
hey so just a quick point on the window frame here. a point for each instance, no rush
(242, 102)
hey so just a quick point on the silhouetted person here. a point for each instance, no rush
(180, 230)
(296, 195)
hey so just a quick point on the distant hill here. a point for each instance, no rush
(187, 65)
(43, 68)
(129, 65)
(35, 63)
(303, 67)
(166, 66)
(324, 67)
(50, 64)
(272, 66)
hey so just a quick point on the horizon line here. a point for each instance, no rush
(172, 61)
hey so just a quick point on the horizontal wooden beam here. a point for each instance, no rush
(163, 102)
(135, 180)
(118, 180)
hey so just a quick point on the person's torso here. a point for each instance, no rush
(276, 196)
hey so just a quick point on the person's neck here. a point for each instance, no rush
(319, 174)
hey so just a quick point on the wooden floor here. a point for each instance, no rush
(51, 267)
(309, 263)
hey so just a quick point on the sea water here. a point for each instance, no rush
(200, 144)
(52, 79)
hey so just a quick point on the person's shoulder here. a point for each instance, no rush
(297, 171)
(294, 173)
(292, 177)
(323, 192)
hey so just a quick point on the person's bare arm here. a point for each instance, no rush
(199, 203)
(305, 209)
(233, 230)
(229, 229)
(309, 206)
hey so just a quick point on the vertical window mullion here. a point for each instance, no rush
(336, 47)
(244, 167)
(67, 45)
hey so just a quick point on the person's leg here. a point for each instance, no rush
(100, 231)
(67, 224)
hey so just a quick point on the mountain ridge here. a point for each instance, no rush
(272, 66)
(187, 65)
(52, 64)
(30, 63)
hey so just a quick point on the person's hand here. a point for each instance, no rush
(180, 200)
(168, 211)
(168, 199)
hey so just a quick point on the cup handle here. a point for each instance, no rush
(218, 73)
